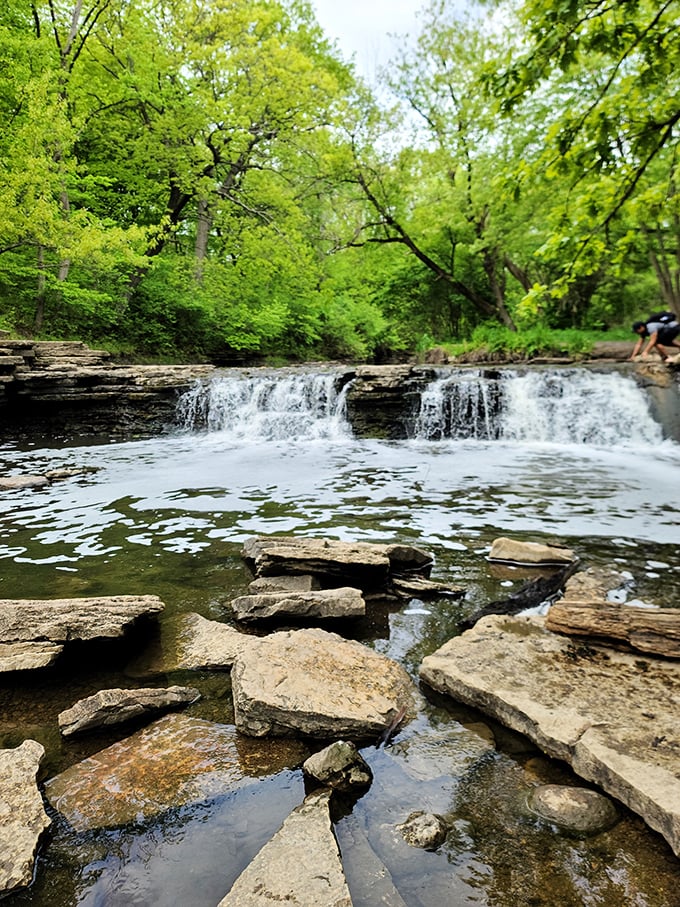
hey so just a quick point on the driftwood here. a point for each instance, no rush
(529, 595)
(655, 631)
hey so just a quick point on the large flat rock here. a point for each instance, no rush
(611, 715)
(175, 761)
(22, 814)
(300, 865)
(317, 684)
(33, 632)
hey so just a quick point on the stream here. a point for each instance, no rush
(575, 458)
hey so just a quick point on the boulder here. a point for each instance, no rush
(33, 633)
(323, 604)
(611, 715)
(175, 761)
(317, 684)
(339, 766)
(110, 707)
(22, 814)
(575, 809)
(530, 554)
(300, 865)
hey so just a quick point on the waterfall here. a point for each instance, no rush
(570, 406)
(565, 406)
(272, 407)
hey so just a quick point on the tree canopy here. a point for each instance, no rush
(209, 178)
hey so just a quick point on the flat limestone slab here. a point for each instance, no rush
(323, 604)
(317, 684)
(33, 632)
(612, 716)
(22, 814)
(300, 865)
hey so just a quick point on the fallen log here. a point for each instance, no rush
(531, 594)
(655, 631)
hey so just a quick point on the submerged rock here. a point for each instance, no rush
(426, 830)
(173, 762)
(575, 809)
(300, 865)
(110, 707)
(22, 814)
(318, 684)
(611, 715)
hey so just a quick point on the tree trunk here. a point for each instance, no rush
(39, 314)
(203, 225)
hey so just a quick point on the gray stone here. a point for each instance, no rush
(300, 865)
(574, 809)
(301, 583)
(340, 766)
(33, 633)
(111, 707)
(425, 830)
(419, 587)
(511, 551)
(318, 684)
(323, 604)
(22, 814)
(611, 715)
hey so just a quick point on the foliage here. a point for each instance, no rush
(207, 178)
(525, 344)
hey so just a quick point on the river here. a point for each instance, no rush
(579, 461)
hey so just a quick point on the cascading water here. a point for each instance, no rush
(268, 407)
(572, 406)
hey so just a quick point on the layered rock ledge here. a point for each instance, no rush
(58, 384)
(34, 632)
(613, 716)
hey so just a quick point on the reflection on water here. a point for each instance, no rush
(169, 516)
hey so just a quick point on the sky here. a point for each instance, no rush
(363, 27)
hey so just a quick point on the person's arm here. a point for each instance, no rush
(637, 347)
(653, 340)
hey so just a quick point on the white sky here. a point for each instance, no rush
(363, 28)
